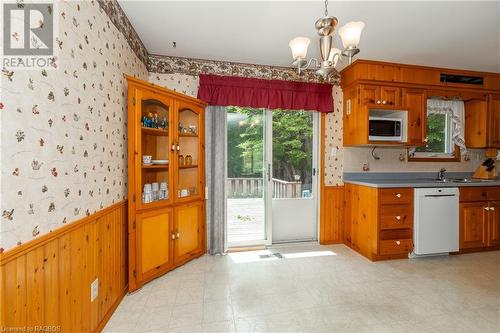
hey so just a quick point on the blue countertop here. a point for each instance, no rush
(414, 180)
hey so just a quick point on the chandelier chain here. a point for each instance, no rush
(326, 8)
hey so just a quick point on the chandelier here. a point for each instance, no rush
(349, 33)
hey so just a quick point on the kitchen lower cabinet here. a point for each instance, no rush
(189, 231)
(479, 218)
(473, 224)
(379, 222)
(494, 224)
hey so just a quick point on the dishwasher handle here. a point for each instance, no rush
(439, 195)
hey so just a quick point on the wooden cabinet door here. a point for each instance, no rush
(476, 123)
(369, 94)
(189, 231)
(390, 96)
(494, 121)
(189, 157)
(415, 101)
(494, 223)
(154, 250)
(473, 224)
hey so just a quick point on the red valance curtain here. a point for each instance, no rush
(260, 93)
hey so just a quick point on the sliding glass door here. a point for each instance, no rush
(246, 182)
(271, 176)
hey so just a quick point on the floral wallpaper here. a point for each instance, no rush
(334, 148)
(121, 22)
(63, 131)
(183, 83)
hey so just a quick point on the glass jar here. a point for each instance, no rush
(189, 160)
(181, 160)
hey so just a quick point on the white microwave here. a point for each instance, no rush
(385, 129)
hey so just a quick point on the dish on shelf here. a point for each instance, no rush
(159, 161)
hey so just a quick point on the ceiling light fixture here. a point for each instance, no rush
(350, 34)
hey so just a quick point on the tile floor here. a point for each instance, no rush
(318, 289)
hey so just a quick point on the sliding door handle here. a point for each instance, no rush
(268, 172)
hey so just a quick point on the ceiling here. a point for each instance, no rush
(463, 35)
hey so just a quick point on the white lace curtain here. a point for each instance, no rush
(455, 109)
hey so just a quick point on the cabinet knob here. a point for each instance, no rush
(492, 208)
(178, 148)
(378, 102)
(398, 195)
(398, 243)
(398, 218)
(486, 208)
(173, 236)
(173, 147)
(178, 235)
(384, 102)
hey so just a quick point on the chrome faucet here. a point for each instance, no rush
(441, 175)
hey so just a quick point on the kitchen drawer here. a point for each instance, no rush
(396, 216)
(493, 193)
(395, 246)
(389, 196)
(468, 194)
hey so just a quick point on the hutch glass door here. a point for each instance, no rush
(152, 158)
(188, 158)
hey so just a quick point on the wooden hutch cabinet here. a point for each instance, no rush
(166, 182)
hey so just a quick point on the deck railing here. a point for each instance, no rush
(252, 187)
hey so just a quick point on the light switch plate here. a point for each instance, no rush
(94, 289)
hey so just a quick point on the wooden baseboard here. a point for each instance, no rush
(110, 312)
(46, 282)
(479, 249)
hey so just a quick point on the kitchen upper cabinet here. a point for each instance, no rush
(476, 123)
(154, 242)
(188, 231)
(415, 101)
(482, 122)
(494, 223)
(494, 121)
(380, 95)
(473, 224)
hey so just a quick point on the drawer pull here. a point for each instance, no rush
(398, 243)
(492, 208)
(486, 208)
(398, 195)
(398, 218)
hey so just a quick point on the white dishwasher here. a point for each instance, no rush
(435, 221)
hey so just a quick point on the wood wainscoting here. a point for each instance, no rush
(331, 212)
(46, 282)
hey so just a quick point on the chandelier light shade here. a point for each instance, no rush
(330, 55)
(299, 47)
(351, 34)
